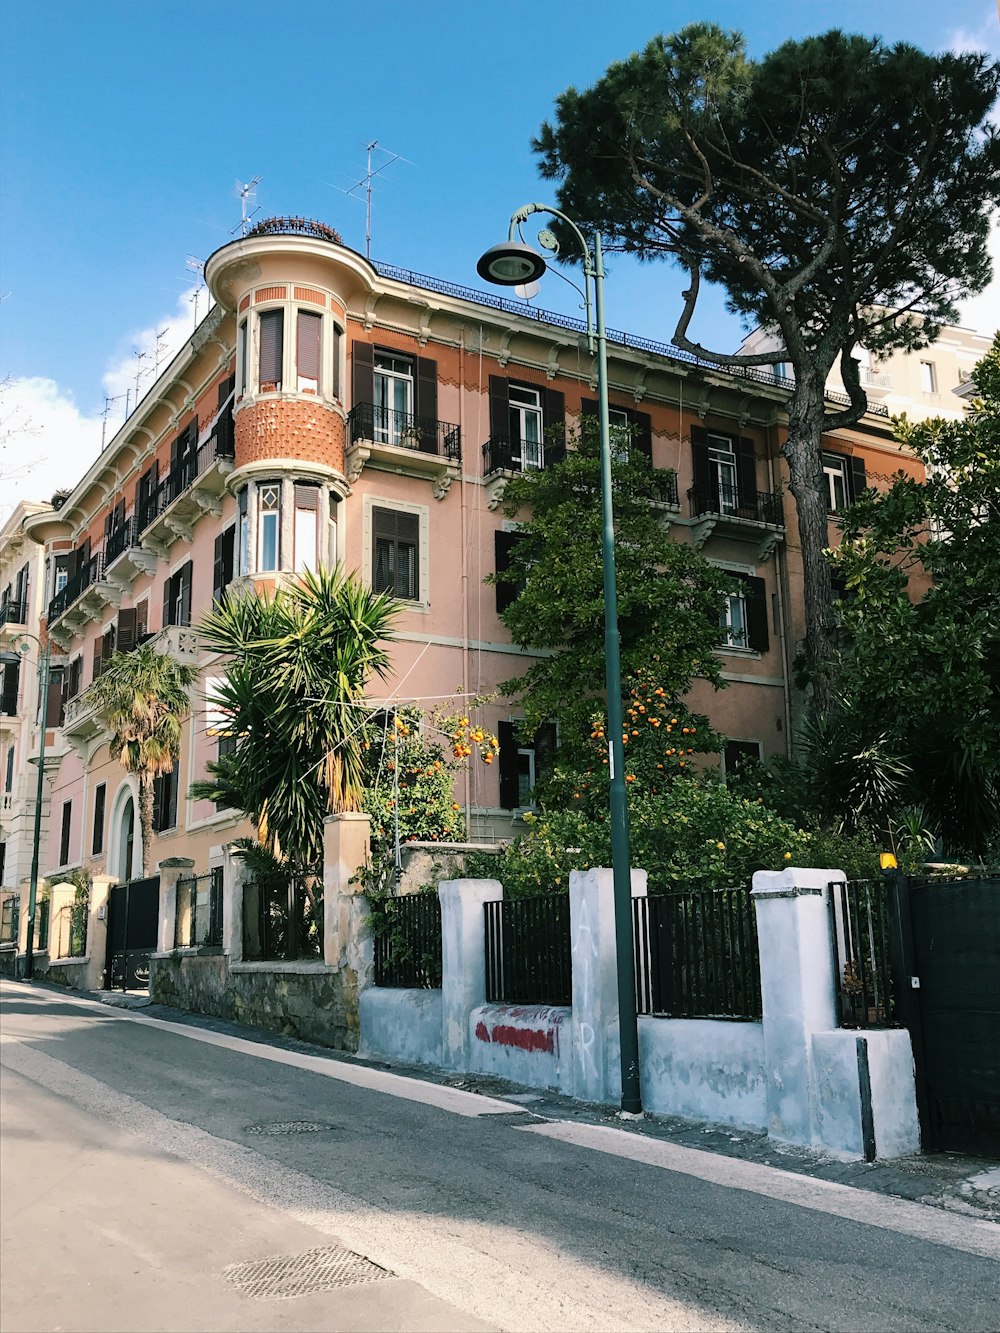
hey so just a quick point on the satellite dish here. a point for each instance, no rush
(526, 290)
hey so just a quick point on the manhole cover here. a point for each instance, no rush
(290, 1127)
(301, 1274)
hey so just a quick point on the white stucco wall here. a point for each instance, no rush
(526, 1043)
(401, 1025)
(704, 1068)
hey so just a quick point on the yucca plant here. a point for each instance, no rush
(292, 696)
(142, 699)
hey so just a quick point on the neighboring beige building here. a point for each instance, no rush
(920, 384)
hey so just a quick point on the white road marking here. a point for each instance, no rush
(454, 1100)
(972, 1235)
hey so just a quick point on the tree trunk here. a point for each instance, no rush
(804, 452)
(145, 821)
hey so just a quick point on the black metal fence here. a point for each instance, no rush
(70, 931)
(696, 954)
(734, 502)
(859, 915)
(213, 932)
(407, 933)
(10, 918)
(220, 444)
(528, 951)
(41, 941)
(283, 917)
(382, 425)
(665, 486)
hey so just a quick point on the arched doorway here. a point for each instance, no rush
(124, 844)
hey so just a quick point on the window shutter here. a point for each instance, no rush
(218, 577)
(141, 621)
(499, 408)
(746, 471)
(553, 407)
(226, 388)
(426, 388)
(100, 796)
(168, 608)
(272, 348)
(126, 630)
(172, 783)
(504, 543)
(699, 458)
(184, 591)
(306, 497)
(307, 340)
(55, 704)
(83, 555)
(588, 407)
(756, 604)
(545, 749)
(11, 675)
(642, 433)
(857, 478)
(362, 373)
(508, 766)
(98, 658)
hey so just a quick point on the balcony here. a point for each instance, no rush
(400, 442)
(504, 457)
(725, 510)
(665, 492)
(124, 557)
(13, 613)
(192, 488)
(84, 598)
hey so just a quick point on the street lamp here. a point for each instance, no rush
(36, 838)
(509, 264)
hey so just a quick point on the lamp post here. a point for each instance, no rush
(36, 837)
(508, 265)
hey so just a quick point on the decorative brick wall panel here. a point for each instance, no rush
(276, 428)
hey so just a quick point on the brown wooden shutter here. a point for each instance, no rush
(222, 564)
(362, 373)
(426, 388)
(508, 766)
(307, 344)
(54, 704)
(184, 577)
(857, 477)
(504, 543)
(98, 665)
(702, 468)
(126, 630)
(271, 324)
(499, 408)
(588, 407)
(11, 677)
(168, 602)
(756, 606)
(141, 620)
(83, 555)
(746, 472)
(553, 407)
(100, 798)
(226, 387)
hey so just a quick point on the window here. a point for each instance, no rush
(738, 755)
(525, 406)
(142, 620)
(61, 577)
(619, 432)
(271, 350)
(177, 597)
(268, 521)
(104, 650)
(241, 357)
(74, 678)
(9, 779)
(504, 546)
(743, 621)
(522, 762)
(8, 693)
(306, 526)
(67, 824)
(100, 794)
(722, 466)
(165, 800)
(395, 553)
(222, 564)
(308, 350)
(928, 377)
(725, 474)
(393, 398)
(835, 472)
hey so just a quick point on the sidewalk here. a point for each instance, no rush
(952, 1181)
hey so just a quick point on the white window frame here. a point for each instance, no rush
(619, 432)
(261, 512)
(390, 430)
(722, 460)
(928, 377)
(834, 470)
(372, 502)
(530, 407)
(734, 638)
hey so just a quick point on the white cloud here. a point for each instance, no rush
(982, 312)
(47, 442)
(984, 37)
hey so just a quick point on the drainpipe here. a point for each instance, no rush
(469, 768)
(781, 583)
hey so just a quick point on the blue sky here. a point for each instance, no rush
(125, 127)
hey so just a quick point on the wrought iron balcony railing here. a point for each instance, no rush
(120, 539)
(220, 444)
(665, 487)
(733, 503)
(76, 586)
(503, 453)
(13, 613)
(381, 425)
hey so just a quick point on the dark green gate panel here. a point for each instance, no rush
(133, 925)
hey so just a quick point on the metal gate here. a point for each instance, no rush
(947, 966)
(133, 925)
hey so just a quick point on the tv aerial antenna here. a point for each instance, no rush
(247, 192)
(108, 404)
(366, 182)
(198, 269)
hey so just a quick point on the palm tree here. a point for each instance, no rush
(141, 699)
(292, 694)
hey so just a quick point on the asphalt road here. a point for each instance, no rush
(147, 1165)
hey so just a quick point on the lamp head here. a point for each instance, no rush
(510, 264)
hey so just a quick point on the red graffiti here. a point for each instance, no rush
(482, 1032)
(525, 1039)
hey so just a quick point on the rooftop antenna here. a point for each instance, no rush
(160, 350)
(108, 404)
(140, 356)
(247, 193)
(366, 181)
(198, 269)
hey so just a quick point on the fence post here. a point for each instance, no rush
(234, 874)
(97, 930)
(463, 961)
(907, 1000)
(596, 1044)
(170, 871)
(799, 992)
